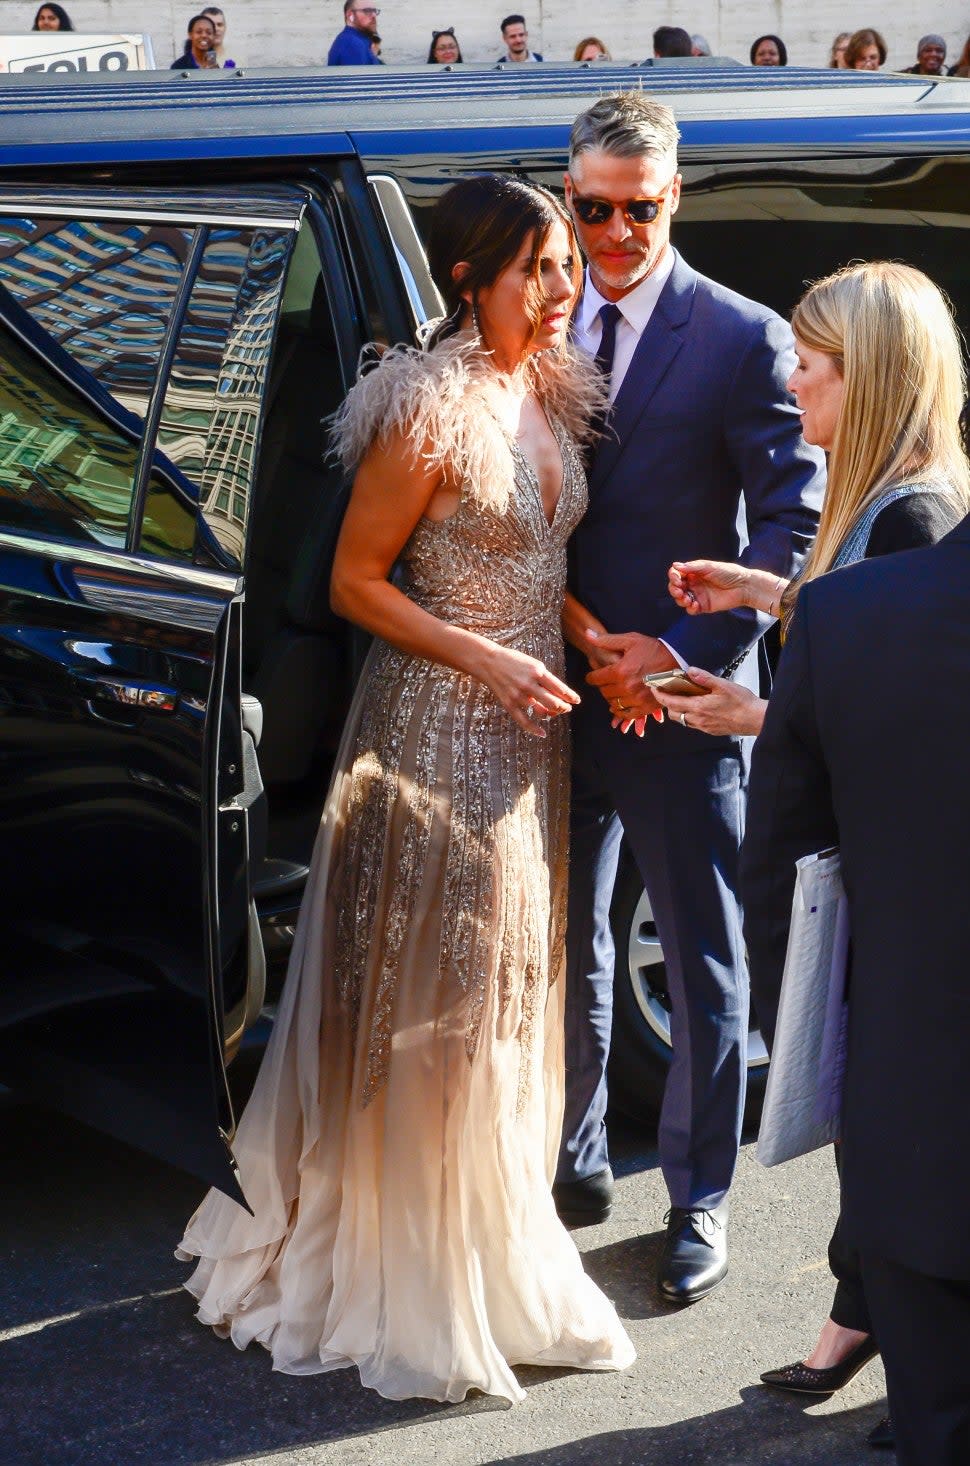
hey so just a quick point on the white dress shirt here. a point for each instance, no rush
(636, 308)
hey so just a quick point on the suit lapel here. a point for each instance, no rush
(658, 346)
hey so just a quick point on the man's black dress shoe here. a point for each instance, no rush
(693, 1258)
(882, 1436)
(804, 1380)
(584, 1203)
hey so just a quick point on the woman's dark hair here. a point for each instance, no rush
(485, 221)
(195, 19)
(448, 31)
(859, 41)
(782, 49)
(63, 19)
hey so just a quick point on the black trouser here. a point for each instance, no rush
(923, 1327)
(849, 1304)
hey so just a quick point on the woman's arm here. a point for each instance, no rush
(393, 489)
(702, 586)
(577, 624)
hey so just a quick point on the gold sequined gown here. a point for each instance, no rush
(399, 1145)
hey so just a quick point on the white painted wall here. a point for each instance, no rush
(264, 32)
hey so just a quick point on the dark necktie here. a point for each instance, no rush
(609, 315)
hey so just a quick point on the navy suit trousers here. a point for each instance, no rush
(683, 816)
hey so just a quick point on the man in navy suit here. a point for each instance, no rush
(702, 456)
(865, 747)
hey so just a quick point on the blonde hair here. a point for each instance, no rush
(892, 335)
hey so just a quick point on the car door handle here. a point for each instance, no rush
(148, 697)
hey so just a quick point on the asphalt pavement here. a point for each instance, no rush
(101, 1360)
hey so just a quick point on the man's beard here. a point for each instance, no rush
(619, 277)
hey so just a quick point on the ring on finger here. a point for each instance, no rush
(683, 719)
(530, 711)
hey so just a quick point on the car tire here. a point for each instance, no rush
(640, 1049)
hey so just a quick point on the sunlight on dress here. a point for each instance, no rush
(399, 1146)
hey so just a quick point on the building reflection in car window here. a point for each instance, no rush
(211, 409)
(104, 289)
(65, 470)
(84, 308)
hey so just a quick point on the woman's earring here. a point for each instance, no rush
(476, 320)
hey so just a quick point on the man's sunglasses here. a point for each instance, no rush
(634, 211)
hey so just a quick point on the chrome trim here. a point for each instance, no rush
(212, 580)
(424, 297)
(140, 216)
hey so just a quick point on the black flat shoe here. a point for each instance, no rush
(882, 1437)
(584, 1203)
(693, 1256)
(804, 1380)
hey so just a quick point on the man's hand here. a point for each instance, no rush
(621, 682)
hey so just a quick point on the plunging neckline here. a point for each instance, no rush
(533, 474)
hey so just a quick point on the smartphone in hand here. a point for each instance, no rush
(675, 681)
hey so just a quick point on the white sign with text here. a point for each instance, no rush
(74, 51)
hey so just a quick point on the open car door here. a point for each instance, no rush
(135, 335)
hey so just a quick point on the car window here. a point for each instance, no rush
(767, 227)
(84, 309)
(770, 229)
(66, 469)
(210, 415)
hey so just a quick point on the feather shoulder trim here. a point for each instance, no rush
(444, 402)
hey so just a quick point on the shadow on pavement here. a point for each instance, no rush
(102, 1361)
(758, 1431)
(626, 1271)
(100, 1355)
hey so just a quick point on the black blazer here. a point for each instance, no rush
(866, 744)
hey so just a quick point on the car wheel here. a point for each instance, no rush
(640, 1050)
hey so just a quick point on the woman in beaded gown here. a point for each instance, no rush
(399, 1145)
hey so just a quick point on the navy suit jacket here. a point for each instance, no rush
(704, 457)
(865, 746)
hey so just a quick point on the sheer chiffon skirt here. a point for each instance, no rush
(399, 1144)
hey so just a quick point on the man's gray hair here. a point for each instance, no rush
(627, 125)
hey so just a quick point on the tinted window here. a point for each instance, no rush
(102, 288)
(211, 410)
(65, 468)
(769, 230)
(84, 308)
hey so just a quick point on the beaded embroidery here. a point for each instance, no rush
(434, 744)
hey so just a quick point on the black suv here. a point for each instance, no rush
(189, 267)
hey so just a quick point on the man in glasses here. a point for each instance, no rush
(701, 456)
(353, 46)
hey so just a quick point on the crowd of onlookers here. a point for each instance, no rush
(359, 44)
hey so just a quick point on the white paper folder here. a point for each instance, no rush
(803, 1100)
